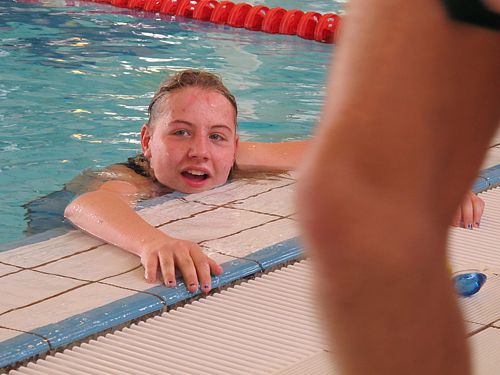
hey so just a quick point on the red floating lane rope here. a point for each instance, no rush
(136, 4)
(290, 22)
(255, 17)
(221, 12)
(204, 10)
(238, 15)
(272, 20)
(152, 5)
(170, 6)
(310, 25)
(120, 3)
(325, 30)
(186, 8)
(307, 25)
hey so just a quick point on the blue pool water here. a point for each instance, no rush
(76, 79)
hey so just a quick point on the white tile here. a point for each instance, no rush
(485, 352)
(171, 210)
(58, 308)
(105, 261)
(220, 258)
(214, 224)
(471, 327)
(52, 249)
(135, 279)
(484, 306)
(5, 269)
(496, 138)
(236, 190)
(279, 201)
(6, 334)
(26, 287)
(248, 241)
(492, 157)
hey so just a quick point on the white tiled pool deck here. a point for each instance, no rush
(69, 287)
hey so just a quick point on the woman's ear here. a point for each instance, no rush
(145, 138)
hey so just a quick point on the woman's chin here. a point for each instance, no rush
(198, 188)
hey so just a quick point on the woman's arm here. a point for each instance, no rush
(107, 214)
(270, 157)
(285, 156)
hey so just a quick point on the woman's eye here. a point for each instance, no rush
(217, 137)
(181, 132)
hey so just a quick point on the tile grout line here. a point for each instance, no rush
(256, 212)
(240, 231)
(248, 197)
(212, 208)
(480, 329)
(262, 269)
(45, 299)
(65, 257)
(45, 339)
(13, 272)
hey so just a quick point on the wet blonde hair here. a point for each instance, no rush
(189, 78)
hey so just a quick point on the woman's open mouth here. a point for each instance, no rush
(195, 178)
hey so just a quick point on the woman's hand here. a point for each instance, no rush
(187, 256)
(468, 214)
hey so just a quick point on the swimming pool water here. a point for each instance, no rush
(76, 79)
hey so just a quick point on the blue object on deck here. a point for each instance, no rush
(467, 284)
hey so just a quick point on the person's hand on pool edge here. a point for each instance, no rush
(468, 214)
(107, 214)
(168, 253)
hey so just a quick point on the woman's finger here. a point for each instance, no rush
(478, 208)
(215, 268)
(202, 268)
(150, 263)
(467, 213)
(186, 266)
(167, 269)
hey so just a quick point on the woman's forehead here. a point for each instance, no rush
(195, 104)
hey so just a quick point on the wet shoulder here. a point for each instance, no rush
(90, 180)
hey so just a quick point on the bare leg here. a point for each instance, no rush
(411, 105)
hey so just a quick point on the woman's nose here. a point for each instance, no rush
(199, 148)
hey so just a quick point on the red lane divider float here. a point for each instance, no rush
(310, 25)
(272, 20)
(255, 17)
(221, 12)
(238, 15)
(204, 10)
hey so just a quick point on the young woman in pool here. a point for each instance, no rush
(189, 144)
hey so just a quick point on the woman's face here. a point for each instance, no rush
(191, 146)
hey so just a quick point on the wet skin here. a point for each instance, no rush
(192, 147)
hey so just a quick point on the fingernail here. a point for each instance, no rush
(171, 282)
(469, 226)
(206, 286)
(477, 223)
